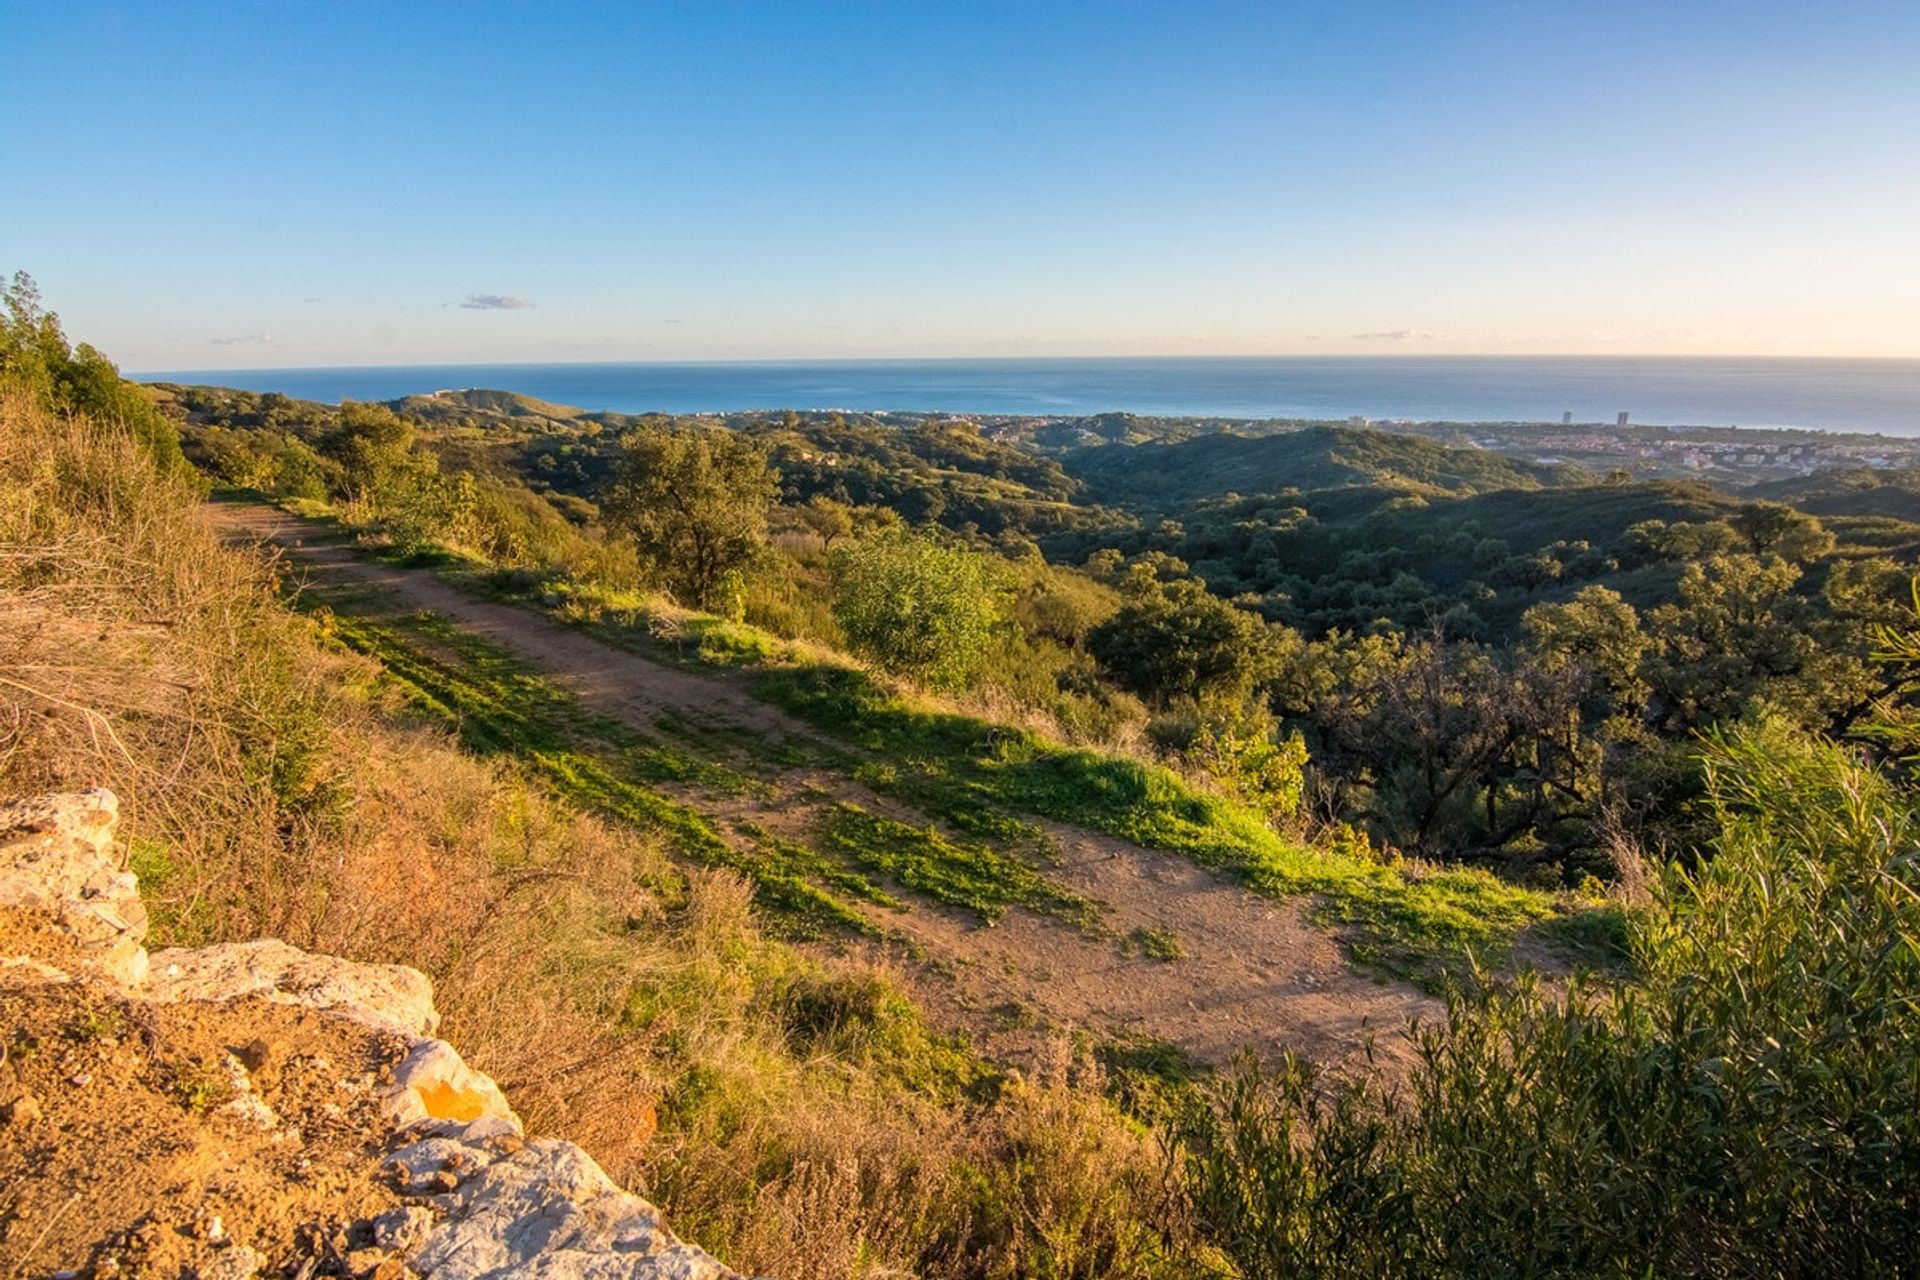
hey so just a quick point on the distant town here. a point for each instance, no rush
(1724, 455)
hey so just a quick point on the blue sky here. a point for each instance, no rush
(224, 186)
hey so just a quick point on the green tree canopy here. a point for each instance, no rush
(1175, 639)
(35, 356)
(695, 503)
(371, 444)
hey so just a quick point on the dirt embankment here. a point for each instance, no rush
(250, 1109)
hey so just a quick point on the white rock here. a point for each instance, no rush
(548, 1212)
(437, 1091)
(387, 997)
(56, 859)
(237, 1263)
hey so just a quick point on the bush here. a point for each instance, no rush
(917, 607)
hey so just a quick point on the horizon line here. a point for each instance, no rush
(146, 375)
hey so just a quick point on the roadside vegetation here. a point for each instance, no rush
(799, 1117)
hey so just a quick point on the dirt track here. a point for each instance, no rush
(1254, 971)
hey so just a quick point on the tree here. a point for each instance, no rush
(35, 356)
(827, 519)
(695, 503)
(1176, 639)
(916, 606)
(372, 445)
(1599, 633)
(1779, 529)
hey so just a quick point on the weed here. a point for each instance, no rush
(1154, 944)
(201, 1086)
(98, 1022)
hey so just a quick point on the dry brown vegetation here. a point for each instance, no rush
(796, 1119)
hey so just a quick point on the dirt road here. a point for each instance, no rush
(1252, 971)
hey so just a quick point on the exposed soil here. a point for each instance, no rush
(121, 1154)
(1251, 971)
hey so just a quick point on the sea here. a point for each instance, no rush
(1826, 394)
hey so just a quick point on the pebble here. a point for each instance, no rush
(250, 1110)
(237, 1263)
(80, 1080)
(24, 1109)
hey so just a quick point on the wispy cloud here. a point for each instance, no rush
(1392, 335)
(242, 340)
(496, 302)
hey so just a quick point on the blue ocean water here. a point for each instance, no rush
(1839, 395)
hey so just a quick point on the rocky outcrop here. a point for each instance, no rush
(57, 867)
(478, 1200)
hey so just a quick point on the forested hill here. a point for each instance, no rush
(1450, 649)
(1322, 457)
(1892, 492)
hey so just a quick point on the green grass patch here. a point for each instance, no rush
(1596, 939)
(1412, 924)
(1154, 944)
(963, 874)
(498, 708)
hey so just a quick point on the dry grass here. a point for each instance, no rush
(624, 1001)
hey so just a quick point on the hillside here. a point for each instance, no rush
(885, 898)
(1889, 493)
(478, 402)
(1213, 465)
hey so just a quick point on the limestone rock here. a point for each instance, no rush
(436, 1092)
(389, 997)
(549, 1212)
(56, 862)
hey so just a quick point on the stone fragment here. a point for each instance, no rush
(251, 1110)
(388, 997)
(237, 1262)
(438, 1092)
(23, 1110)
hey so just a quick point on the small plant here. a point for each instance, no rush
(98, 1023)
(201, 1086)
(1154, 944)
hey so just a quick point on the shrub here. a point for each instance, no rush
(1746, 1110)
(916, 606)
